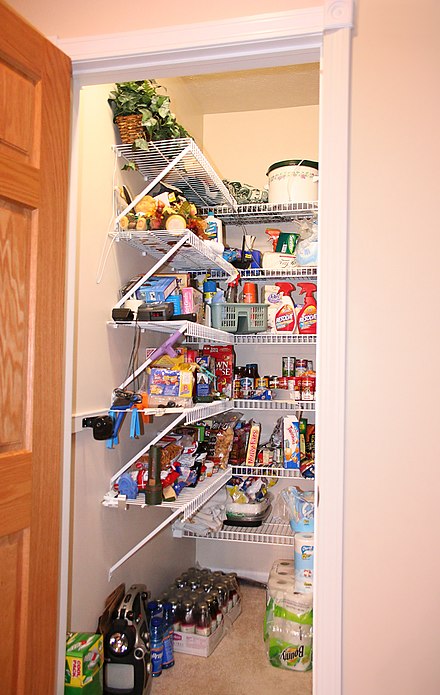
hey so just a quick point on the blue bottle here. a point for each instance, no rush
(168, 635)
(156, 646)
(153, 610)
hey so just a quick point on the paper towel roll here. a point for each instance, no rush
(282, 568)
(279, 586)
(304, 547)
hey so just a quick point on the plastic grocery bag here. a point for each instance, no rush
(300, 508)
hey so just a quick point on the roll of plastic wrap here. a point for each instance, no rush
(304, 547)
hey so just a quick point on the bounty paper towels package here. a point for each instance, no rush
(288, 625)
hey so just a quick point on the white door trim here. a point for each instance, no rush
(245, 43)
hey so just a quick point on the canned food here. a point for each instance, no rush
(298, 388)
(273, 382)
(308, 389)
(288, 368)
(262, 383)
(301, 367)
(282, 382)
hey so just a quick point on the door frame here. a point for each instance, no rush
(298, 36)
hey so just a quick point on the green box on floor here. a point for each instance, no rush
(84, 661)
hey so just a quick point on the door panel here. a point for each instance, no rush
(34, 145)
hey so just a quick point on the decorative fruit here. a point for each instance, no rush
(175, 223)
(147, 205)
(123, 222)
(141, 224)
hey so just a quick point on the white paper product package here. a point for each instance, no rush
(304, 550)
(282, 568)
(301, 508)
(288, 625)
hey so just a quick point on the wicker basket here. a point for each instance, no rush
(130, 128)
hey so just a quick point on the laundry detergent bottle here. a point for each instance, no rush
(307, 315)
(284, 314)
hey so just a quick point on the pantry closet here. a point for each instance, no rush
(102, 535)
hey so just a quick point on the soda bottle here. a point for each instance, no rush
(168, 635)
(187, 623)
(203, 619)
(156, 646)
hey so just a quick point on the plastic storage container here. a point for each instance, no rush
(239, 318)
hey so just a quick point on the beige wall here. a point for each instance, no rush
(243, 145)
(79, 18)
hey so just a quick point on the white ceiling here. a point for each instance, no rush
(251, 90)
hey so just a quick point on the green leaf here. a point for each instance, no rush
(140, 144)
(131, 166)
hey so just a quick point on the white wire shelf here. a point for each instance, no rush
(250, 404)
(194, 332)
(257, 213)
(192, 254)
(273, 339)
(187, 503)
(271, 532)
(262, 274)
(267, 472)
(194, 413)
(187, 169)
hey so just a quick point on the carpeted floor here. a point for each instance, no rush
(238, 666)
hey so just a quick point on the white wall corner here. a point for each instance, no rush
(338, 14)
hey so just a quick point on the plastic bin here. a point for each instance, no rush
(239, 318)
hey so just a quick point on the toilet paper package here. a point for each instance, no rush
(288, 625)
(304, 549)
(282, 568)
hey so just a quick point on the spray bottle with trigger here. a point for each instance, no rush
(284, 318)
(307, 315)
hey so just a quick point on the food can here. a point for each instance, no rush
(262, 382)
(298, 388)
(301, 367)
(282, 382)
(273, 381)
(308, 389)
(236, 387)
(288, 368)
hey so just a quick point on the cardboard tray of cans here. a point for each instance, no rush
(199, 645)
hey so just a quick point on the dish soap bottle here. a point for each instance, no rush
(307, 315)
(284, 318)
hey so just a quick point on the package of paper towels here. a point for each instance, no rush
(304, 550)
(288, 621)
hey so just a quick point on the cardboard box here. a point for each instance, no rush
(286, 243)
(278, 261)
(198, 645)
(192, 302)
(157, 289)
(291, 442)
(224, 356)
(84, 660)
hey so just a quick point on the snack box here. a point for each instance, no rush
(199, 645)
(157, 289)
(291, 443)
(84, 661)
(205, 384)
(183, 279)
(170, 383)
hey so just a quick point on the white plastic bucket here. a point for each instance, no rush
(293, 181)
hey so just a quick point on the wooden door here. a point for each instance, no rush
(34, 146)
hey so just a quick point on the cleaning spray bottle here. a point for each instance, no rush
(284, 314)
(307, 315)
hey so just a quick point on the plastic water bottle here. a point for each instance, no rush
(168, 635)
(156, 646)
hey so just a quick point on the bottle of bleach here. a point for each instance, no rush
(307, 315)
